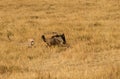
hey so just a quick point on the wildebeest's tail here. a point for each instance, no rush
(43, 38)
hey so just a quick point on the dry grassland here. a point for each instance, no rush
(92, 29)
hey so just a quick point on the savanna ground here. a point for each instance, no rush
(92, 29)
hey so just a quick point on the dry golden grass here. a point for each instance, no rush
(92, 29)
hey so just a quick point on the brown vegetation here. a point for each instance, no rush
(91, 28)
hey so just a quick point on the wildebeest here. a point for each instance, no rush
(56, 39)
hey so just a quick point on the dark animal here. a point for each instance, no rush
(61, 36)
(58, 39)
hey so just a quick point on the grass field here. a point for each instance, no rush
(91, 27)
